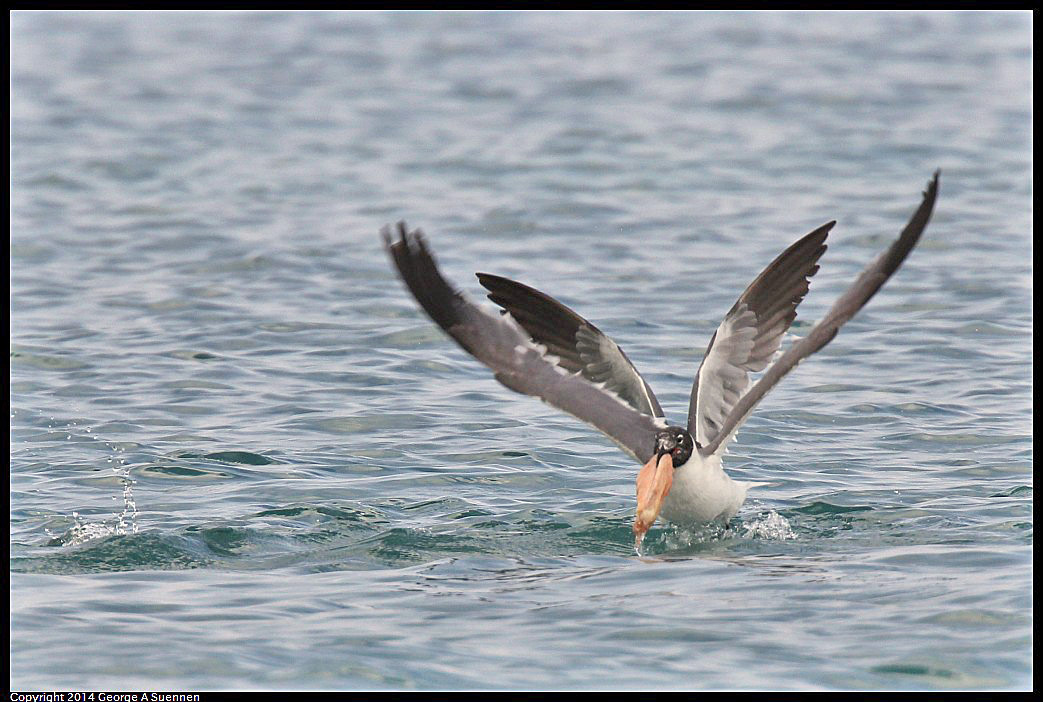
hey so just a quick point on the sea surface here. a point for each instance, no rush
(243, 458)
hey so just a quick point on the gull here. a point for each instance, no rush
(538, 346)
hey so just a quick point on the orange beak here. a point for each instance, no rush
(653, 483)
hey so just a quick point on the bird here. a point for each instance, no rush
(538, 346)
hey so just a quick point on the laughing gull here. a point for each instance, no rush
(538, 346)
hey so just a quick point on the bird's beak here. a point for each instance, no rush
(653, 483)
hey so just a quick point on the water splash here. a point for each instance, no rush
(769, 526)
(682, 538)
(772, 526)
(130, 508)
(123, 522)
(81, 532)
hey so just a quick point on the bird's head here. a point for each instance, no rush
(675, 441)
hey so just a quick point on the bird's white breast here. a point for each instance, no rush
(702, 492)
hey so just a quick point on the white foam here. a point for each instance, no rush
(123, 522)
(772, 526)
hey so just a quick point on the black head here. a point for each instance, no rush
(676, 441)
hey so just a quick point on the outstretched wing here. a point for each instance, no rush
(579, 346)
(751, 334)
(860, 292)
(503, 345)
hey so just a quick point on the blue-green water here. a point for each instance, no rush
(242, 458)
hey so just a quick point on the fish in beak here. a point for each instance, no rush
(653, 484)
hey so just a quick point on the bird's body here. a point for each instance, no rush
(538, 346)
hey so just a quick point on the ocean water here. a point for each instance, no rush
(242, 458)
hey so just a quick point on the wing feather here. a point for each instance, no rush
(751, 333)
(517, 362)
(846, 306)
(578, 344)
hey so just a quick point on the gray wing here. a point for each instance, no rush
(860, 292)
(751, 333)
(577, 345)
(503, 345)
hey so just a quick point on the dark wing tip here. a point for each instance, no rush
(930, 193)
(546, 320)
(911, 233)
(419, 271)
(784, 282)
(405, 237)
(932, 187)
(487, 279)
(820, 235)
